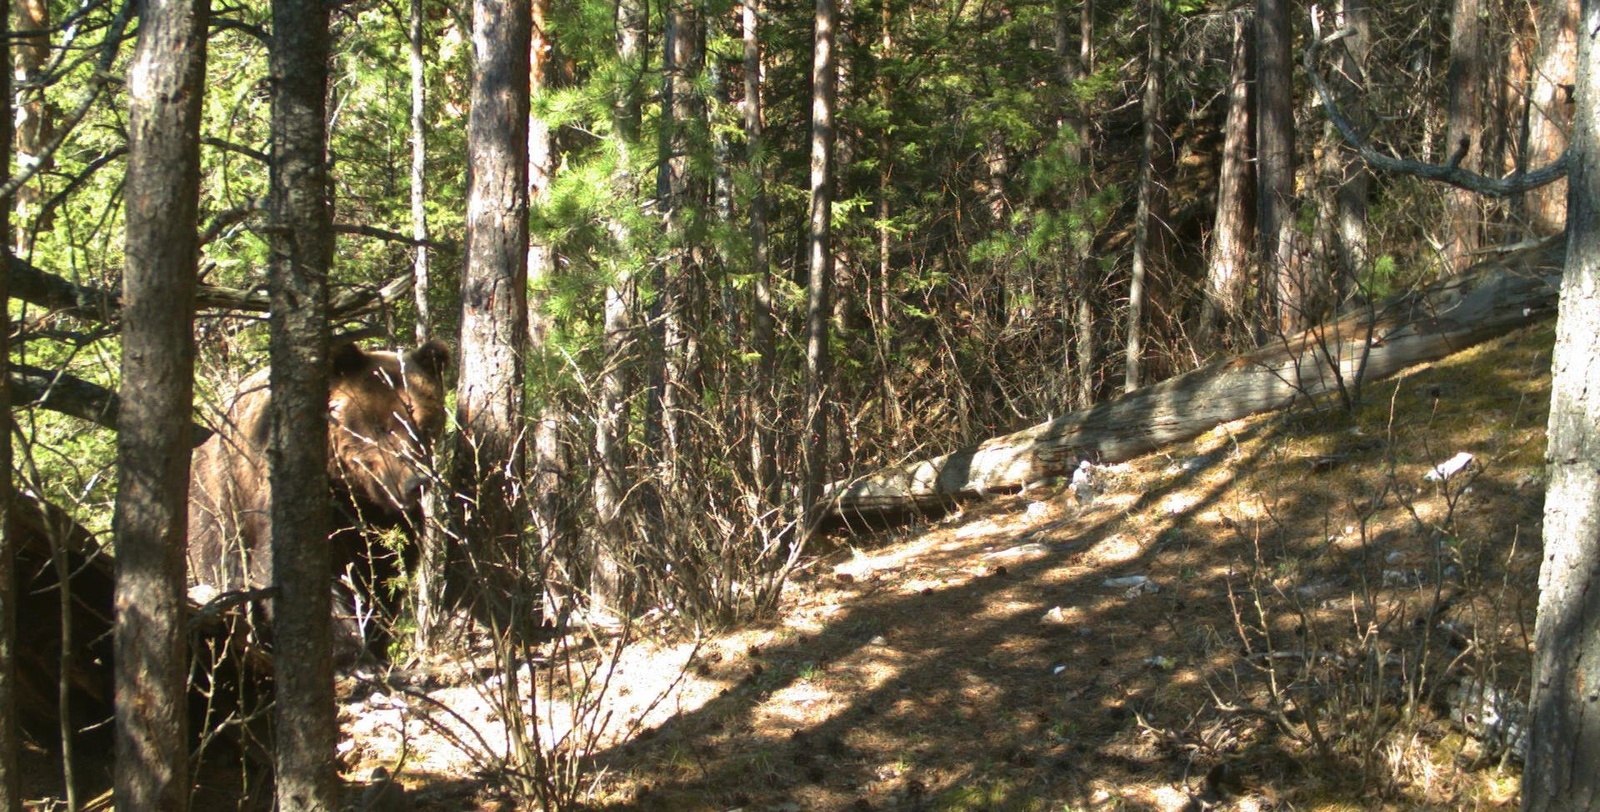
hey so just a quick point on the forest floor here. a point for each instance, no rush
(1310, 597)
(1303, 598)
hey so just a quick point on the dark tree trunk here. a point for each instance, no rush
(166, 83)
(1469, 57)
(301, 244)
(1333, 358)
(763, 405)
(1133, 356)
(819, 284)
(10, 777)
(1350, 201)
(1280, 278)
(1227, 273)
(494, 284)
(1565, 739)
(676, 195)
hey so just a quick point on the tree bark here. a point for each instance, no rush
(1464, 131)
(1222, 311)
(1281, 278)
(166, 85)
(606, 582)
(763, 404)
(677, 283)
(1430, 324)
(10, 735)
(301, 252)
(1550, 110)
(1133, 356)
(1350, 201)
(819, 280)
(491, 458)
(419, 172)
(1564, 743)
(549, 463)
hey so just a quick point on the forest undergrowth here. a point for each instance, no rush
(1284, 613)
(1295, 610)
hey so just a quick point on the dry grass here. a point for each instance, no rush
(1315, 595)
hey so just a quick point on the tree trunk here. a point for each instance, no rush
(301, 253)
(166, 83)
(1222, 311)
(763, 404)
(1463, 134)
(1281, 275)
(419, 173)
(1085, 348)
(1150, 120)
(676, 283)
(1350, 201)
(1565, 738)
(1550, 110)
(549, 464)
(611, 483)
(1334, 357)
(819, 284)
(10, 591)
(494, 284)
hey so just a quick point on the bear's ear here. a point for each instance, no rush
(345, 359)
(432, 357)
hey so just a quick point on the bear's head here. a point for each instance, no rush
(385, 410)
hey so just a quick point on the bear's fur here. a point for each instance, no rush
(385, 410)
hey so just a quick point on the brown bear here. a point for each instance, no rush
(385, 410)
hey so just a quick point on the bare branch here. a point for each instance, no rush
(1449, 173)
(32, 387)
(385, 234)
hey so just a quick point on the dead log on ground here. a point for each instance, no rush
(1487, 301)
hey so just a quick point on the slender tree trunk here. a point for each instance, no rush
(1550, 110)
(611, 478)
(676, 284)
(1227, 273)
(881, 306)
(819, 281)
(1350, 202)
(764, 402)
(1086, 349)
(10, 735)
(166, 83)
(1275, 167)
(419, 172)
(1133, 359)
(1465, 129)
(494, 285)
(430, 536)
(549, 463)
(1565, 741)
(301, 246)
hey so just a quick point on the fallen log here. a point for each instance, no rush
(1487, 301)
